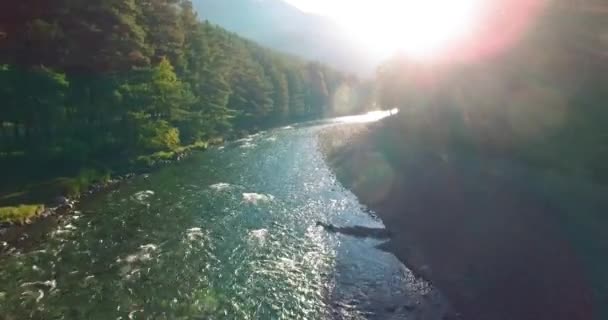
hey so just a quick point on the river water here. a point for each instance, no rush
(229, 233)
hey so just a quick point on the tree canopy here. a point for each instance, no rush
(117, 78)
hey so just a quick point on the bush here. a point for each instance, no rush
(73, 187)
(152, 160)
(159, 136)
(154, 135)
(21, 213)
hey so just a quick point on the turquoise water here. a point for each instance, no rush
(227, 234)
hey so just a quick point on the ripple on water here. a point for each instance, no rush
(205, 250)
(194, 234)
(131, 262)
(144, 254)
(37, 290)
(64, 230)
(222, 186)
(244, 140)
(248, 145)
(258, 236)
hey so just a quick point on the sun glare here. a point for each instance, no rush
(419, 28)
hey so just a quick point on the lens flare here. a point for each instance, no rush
(429, 29)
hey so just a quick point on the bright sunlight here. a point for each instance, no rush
(418, 28)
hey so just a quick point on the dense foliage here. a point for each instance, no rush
(84, 81)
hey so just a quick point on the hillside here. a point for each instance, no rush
(280, 26)
(125, 84)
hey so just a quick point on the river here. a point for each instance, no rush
(230, 233)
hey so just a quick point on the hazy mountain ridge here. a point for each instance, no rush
(278, 25)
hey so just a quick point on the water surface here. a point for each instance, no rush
(227, 234)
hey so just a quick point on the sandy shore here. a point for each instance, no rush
(493, 249)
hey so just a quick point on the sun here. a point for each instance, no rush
(419, 28)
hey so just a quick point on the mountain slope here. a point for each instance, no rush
(281, 26)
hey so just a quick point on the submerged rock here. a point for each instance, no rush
(61, 201)
(357, 231)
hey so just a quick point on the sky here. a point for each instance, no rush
(323, 7)
(417, 27)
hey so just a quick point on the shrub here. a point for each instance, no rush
(21, 213)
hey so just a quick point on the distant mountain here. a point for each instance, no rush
(280, 26)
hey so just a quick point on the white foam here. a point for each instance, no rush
(137, 257)
(244, 140)
(194, 234)
(259, 235)
(132, 314)
(143, 195)
(255, 198)
(61, 231)
(148, 247)
(51, 284)
(222, 186)
(143, 255)
(70, 227)
(40, 295)
(248, 145)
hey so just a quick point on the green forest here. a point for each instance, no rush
(100, 85)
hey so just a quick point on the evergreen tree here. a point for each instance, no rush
(83, 80)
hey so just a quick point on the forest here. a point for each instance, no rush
(103, 84)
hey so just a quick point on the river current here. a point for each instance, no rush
(230, 233)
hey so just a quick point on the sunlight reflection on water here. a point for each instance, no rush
(205, 246)
(371, 116)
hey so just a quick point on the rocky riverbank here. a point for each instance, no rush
(465, 224)
(22, 234)
(58, 202)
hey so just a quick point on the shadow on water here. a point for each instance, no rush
(371, 283)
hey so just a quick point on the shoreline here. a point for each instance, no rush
(11, 232)
(464, 226)
(61, 205)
